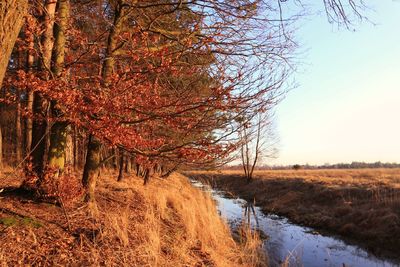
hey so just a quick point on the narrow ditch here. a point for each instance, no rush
(285, 241)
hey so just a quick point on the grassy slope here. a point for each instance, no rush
(361, 204)
(167, 223)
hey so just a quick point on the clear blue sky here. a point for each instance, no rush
(347, 105)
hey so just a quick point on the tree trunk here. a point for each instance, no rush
(128, 164)
(39, 126)
(108, 65)
(121, 166)
(28, 122)
(1, 150)
(137, 169)
(29, 104)
(146, 177)
(58, 143)
(58, 131)
(75, 155)
(69, 148)
(40, 105)
(47, 37)
(91, 170)
(92, 163)
(83, 148)
(115, 159)
(18, 129)
(12, 14)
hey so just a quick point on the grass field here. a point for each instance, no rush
(359, 204)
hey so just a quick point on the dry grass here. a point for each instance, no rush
(167, 223)
(362, 204)
(330, 176)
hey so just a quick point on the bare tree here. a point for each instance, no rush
(344, 12)
(257, 141)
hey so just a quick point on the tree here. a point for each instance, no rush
(58, 131)
(40, 103)
(90, 171)
(256, 142)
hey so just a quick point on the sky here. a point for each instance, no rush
(346, 106)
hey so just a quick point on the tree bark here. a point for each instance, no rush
(137, 165)
(75, 147)
(69, 149)
(39, 126)
(29, 104)
(28, 124)
(18, 129)
(121, 166)
(58, 143)
(12, 14)
(58, 131)
(91, 170)
(108, 65)
(128, 164)
(40, 105)
(1, 150)
(115, 159)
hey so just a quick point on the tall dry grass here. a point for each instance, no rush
(179, 225)
(166, 223)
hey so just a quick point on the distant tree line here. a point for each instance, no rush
(352, 165)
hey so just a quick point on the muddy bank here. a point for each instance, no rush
(358, 212)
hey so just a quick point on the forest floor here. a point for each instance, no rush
(165, 223)
(361, 205)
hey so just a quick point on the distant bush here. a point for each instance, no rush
(296, 167)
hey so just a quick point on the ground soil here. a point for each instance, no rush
(359, 205)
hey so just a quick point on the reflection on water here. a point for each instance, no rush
(249, 213)
(302, 245)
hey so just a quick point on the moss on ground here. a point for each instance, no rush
(20, 221)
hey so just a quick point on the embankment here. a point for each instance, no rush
(359, 205)
(167, 223)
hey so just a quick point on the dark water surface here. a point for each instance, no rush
(301, 245)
